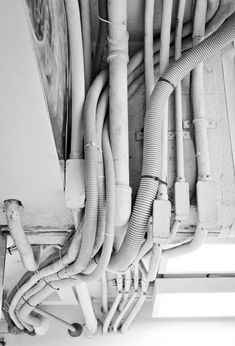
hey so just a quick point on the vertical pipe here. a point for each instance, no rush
(180, 175)
(118, 105)
(87, 307)
(197, 89)
(77, 67)
(86, 39)
(163, 64)
(148, 49)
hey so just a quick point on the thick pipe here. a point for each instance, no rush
(148, 49)
(77, 67)
(118, 106)
(152, 140)
(16, 230)
(87, 307)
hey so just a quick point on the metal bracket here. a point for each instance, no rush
(211, 124)
(139, 135)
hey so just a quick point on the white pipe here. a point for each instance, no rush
(127, 286)
(114, 305)
(136, 308)
(16, 230)
(86, 38)
(198, 240)
(125, 309)
(199, 119)
(118, 106)
(104, 293)
(87, 307)
(148, 49)
(178, 97)
(77, 69)
(154, 262)
(163, 65)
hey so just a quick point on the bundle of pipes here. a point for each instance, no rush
(105, 224)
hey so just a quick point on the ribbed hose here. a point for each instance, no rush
(152, 140)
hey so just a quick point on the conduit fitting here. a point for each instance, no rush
(202, 155)
(94, 335)
(11, 207)
(75, 184)
(118, 48)
(123, 205)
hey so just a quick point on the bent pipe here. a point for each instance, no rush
(16, 230)
(152, 140)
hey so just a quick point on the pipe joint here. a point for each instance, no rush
(118, 48)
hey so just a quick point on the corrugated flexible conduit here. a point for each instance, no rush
(152, 140)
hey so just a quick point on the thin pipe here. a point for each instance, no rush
(86, 39)
(163, 65)
(148, 49)
(104, 293)
(114, 306)
(180, 175)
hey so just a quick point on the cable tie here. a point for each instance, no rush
(70, 277)
(48, 283)
(161, 79)
(105, 20)
(9, 250)
(26, 301)
(5, 309)
(154, 178)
